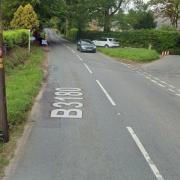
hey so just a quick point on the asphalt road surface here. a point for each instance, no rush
(100, 119)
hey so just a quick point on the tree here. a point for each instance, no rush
(142, 20)
(168, 8)
(17, 20)
(25, 17)
(45, 9)
(138, 17)
(106, 9)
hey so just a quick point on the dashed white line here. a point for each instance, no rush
(106, 93)
(171, 86)
(87, 67)
(171, 90)
(160, 85)
(73, 51)
(145, 154)
(152, 80)
(178, 95)
(163, 82)
(147, 77)
(156, 78)
(79, 57)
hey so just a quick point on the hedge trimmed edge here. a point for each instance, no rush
(14, 38)
(157, 39)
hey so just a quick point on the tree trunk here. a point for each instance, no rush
(107, 22)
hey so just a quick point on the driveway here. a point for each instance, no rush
(167, 69)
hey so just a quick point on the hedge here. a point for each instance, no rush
(72, 34)
(158, 39)
(16, 37)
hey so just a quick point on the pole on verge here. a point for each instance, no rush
(4, 133)
(29, 43)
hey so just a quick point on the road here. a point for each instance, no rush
(100, 119)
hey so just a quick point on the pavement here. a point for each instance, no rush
(100, 119)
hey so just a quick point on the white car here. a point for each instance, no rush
(106, 42)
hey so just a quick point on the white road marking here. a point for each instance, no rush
(163, 82)
(106, 93)
(140, 73)
(171, 90)
(64, 109)
(147, 77)
(178, 95)
(171, 86)
(156, 78)
(160, 85)
(73, 51)
(145, 154)
(87, 67)
(79, 57)
(152, 80)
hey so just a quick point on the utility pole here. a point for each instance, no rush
(4, 133)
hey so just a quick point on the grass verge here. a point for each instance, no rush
(134, 54)
(23, 82)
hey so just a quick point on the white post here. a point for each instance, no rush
(29, 43)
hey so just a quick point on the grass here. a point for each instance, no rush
(134, 54)
(23, 82)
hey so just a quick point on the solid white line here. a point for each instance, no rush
(106, 93)
(145, 154)
(87, 67)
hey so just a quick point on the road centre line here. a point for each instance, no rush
(106, 93)
(145, 154)
(178, 95)
(87, 67)
(79, 57)
(73, 51)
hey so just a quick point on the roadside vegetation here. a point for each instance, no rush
(139, 55)
(23, 81)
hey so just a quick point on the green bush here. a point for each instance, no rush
(158, 39)
(16, 38)
(72, 34)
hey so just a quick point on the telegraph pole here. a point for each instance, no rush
(4, 133)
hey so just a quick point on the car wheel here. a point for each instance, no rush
(106, 46)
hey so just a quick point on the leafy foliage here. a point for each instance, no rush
(168, 8)
(25, 17)
(16, 38)
(159, 40)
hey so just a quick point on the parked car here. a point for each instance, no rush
(86, 45)
(106, 42)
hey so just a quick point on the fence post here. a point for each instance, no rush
(4, 133)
